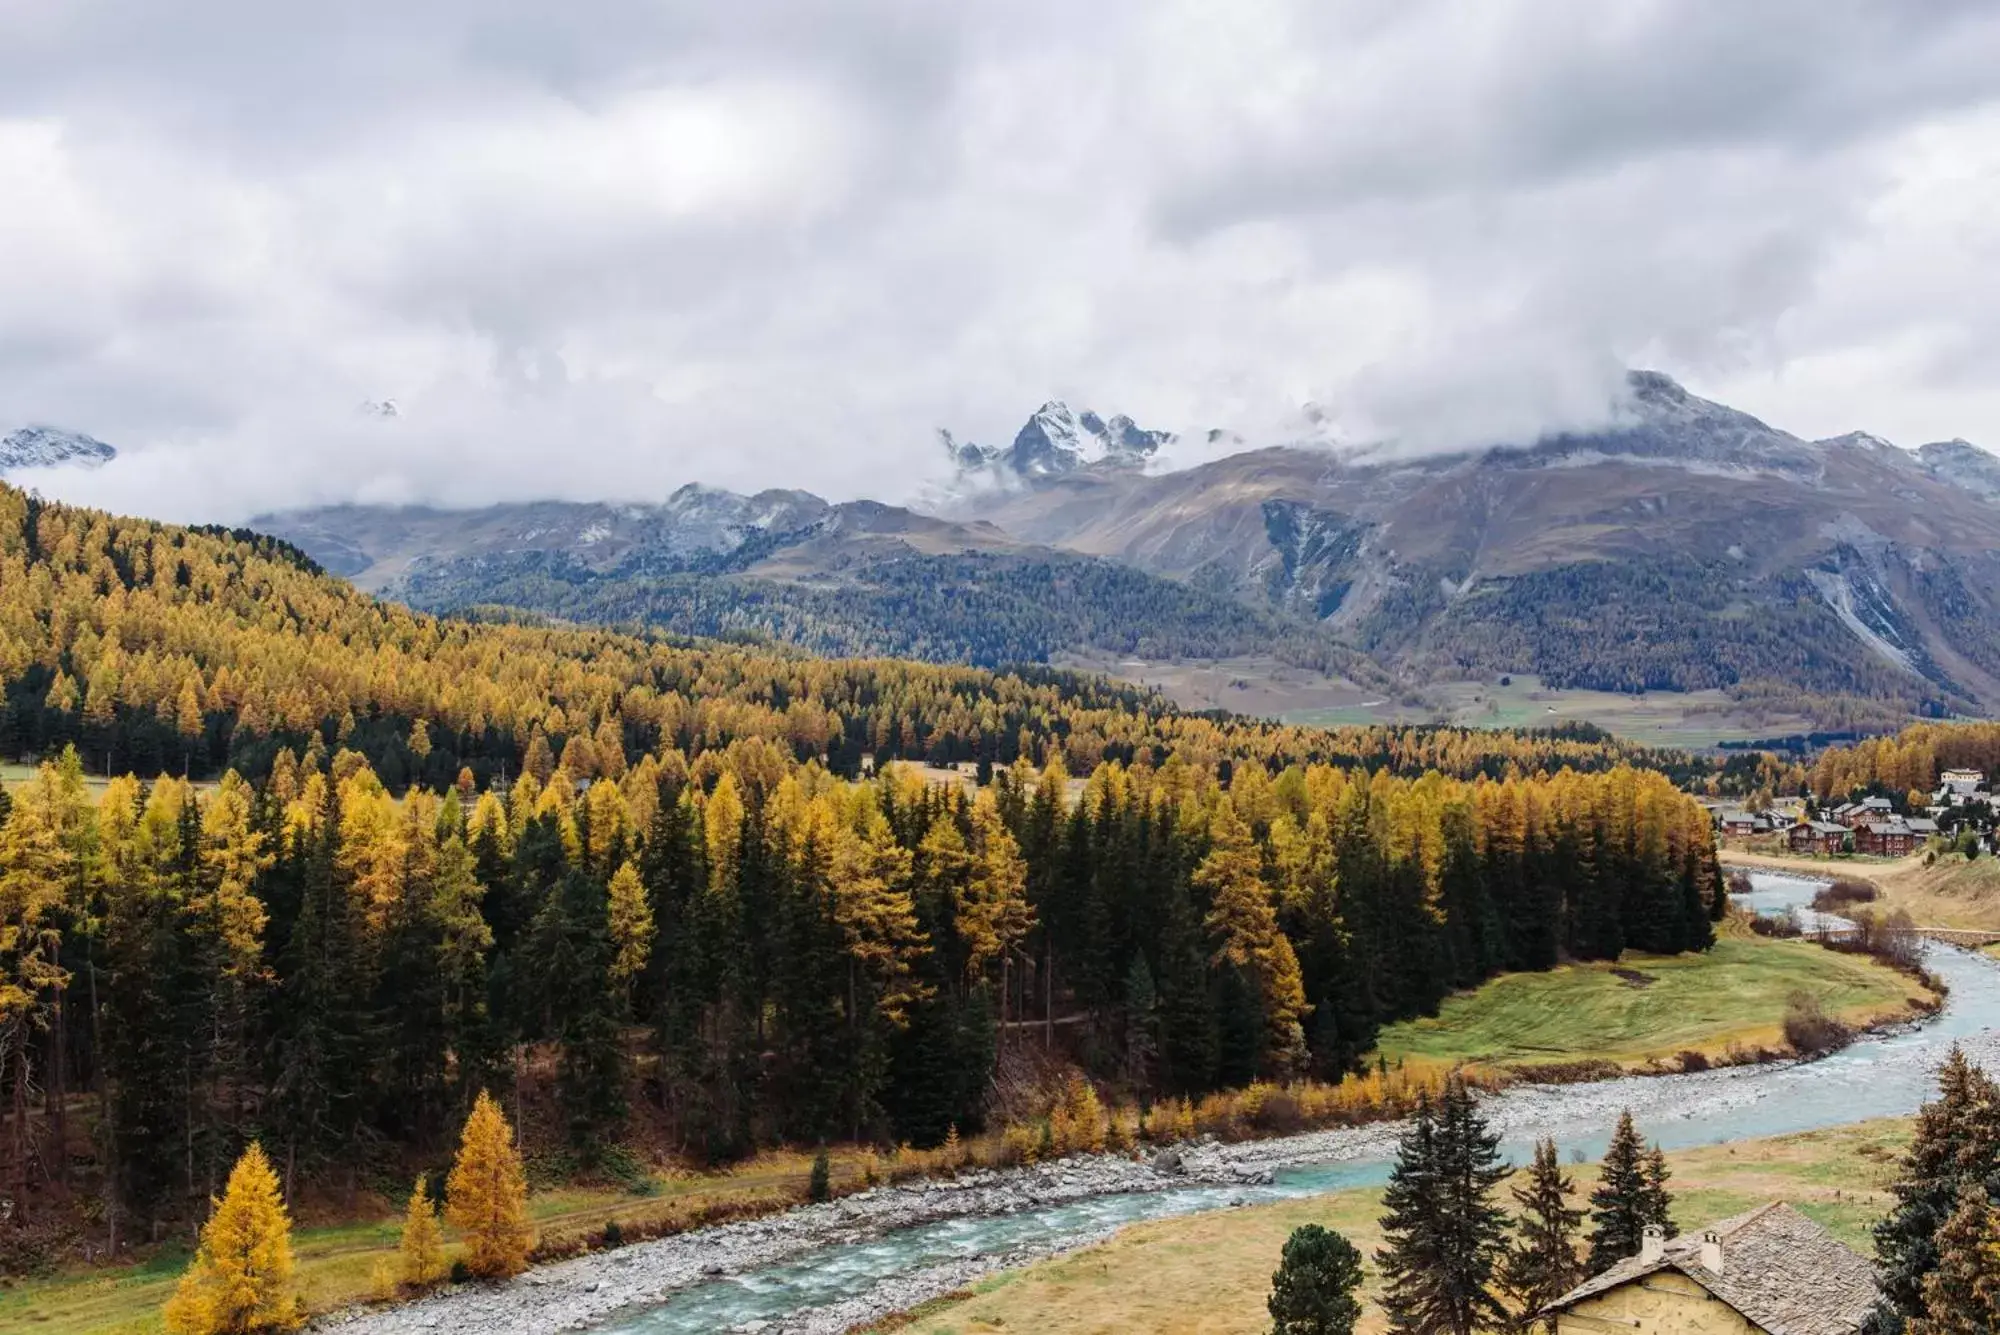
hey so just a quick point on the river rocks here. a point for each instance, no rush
(589, 1289)
(1168, 1162)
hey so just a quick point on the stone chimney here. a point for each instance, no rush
(1711, 1252)
(1654, 1244)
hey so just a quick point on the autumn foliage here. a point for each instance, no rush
(487, 1195)
(241, 1279)
(420, 1252)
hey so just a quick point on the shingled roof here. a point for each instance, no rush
(1783, 1272)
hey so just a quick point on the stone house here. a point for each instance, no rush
(1769, 1272)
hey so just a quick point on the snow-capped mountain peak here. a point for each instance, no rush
(1057, 439)
(52, 447)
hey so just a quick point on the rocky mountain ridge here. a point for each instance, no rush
(1684, 545)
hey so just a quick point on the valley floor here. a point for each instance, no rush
(1209, 1274)
(1647, 1008)
(1951, 892)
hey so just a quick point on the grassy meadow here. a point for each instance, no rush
(1652, 1008)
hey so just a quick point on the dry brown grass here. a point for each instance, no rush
(1209, 1274)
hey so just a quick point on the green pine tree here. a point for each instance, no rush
(819, 1185)
(1542, 1265)
(1312, 1292)
(1620, 1207)
(1444, 1232)
(1659, 1202)
(571, 946)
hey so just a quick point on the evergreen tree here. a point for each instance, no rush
(240, 1282)
(1962, 1291)
(1542, 1264)
(1312, 1292)
(573, 954)
(1142, 1024)
(1659, 1202)
(486, 1196)
(150, 1025)
(411, 999)
(1622, 1205)
(1188, 1045)
(319, 1087)
(819, 1185)
(1955, 1146)
(1444, 1234)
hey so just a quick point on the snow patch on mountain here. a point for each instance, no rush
(52, 447)
(1961, 464)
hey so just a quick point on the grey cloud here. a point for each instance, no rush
(604, 250)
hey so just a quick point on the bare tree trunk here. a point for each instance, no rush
(1049, 1002)
(59, 1085)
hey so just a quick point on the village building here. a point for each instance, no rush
(1885, 839)
(1816, 836)
(1958, 785)
(1856, 814)
(1743, 824)
(1769, 1272)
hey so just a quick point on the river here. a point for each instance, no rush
(1889, 1074)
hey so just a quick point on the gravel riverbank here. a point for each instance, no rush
(1075, 1202)
(576, 1294)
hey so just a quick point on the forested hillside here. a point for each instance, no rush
(1910, 761)
(675, 924)
(989, 610)
(155, 648)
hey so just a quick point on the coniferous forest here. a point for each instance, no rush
(649, 887)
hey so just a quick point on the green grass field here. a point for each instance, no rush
(1209, 1274)
(13, 775)
(1649, 1007)
(1694, 719)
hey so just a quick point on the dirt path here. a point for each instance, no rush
(1881, 874)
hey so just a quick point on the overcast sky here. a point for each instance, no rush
(601, 249)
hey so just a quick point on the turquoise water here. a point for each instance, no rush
(1877, 1077)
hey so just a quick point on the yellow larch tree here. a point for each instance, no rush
(631, 924)
(1244, 924)
(993, 912)
(241, 1280)
(486, 1196)
(420, 1252)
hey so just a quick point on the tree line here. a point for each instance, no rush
(739, 950)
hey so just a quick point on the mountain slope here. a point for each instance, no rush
(1689, 546)
(857, 578)
(1686, 546)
